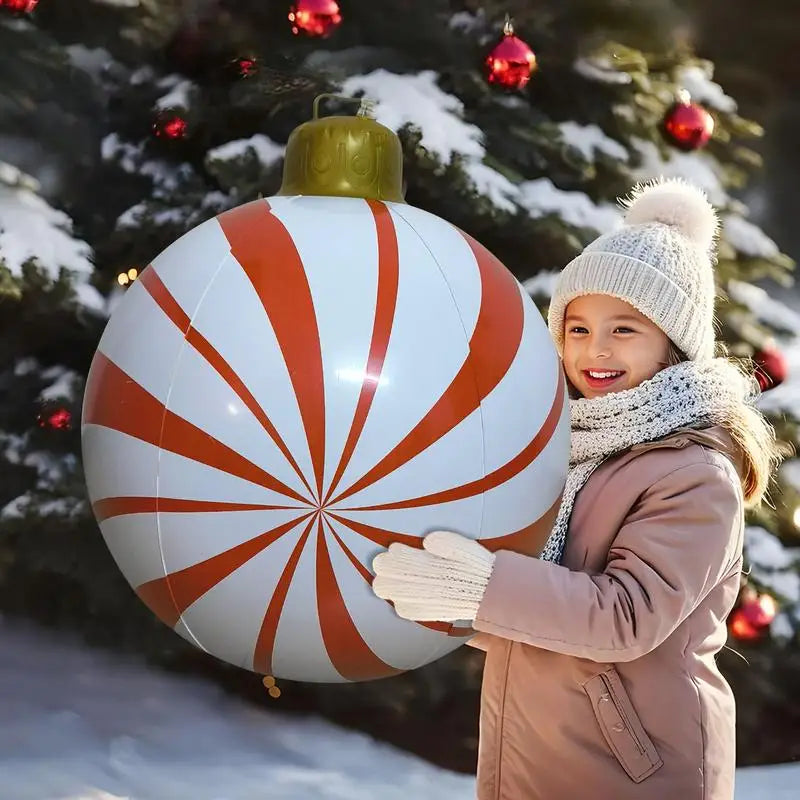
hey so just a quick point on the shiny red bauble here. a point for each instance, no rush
(770, 368)
(23, 6)
(511, 61)
(688, 125)
(315, 17)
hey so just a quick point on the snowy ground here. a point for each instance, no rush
(78, 724)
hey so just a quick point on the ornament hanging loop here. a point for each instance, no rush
(366, 107)
(508, 26)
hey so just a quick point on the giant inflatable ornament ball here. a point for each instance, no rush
(302, 380)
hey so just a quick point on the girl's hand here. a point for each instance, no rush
(443, 582)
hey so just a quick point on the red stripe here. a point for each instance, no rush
(362, 570)
(378, 535)
(440, 627)
(168, 597)
(169, 305)
(110, 507)
(267, 254)
(114, 400)
(351, 656)
(385, 304)
(265, 644)
(502, 474)
(492, 348)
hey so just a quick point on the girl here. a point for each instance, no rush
(600, 677)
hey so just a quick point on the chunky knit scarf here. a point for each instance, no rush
(692, 394)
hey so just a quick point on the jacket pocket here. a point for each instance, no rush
(621, 726)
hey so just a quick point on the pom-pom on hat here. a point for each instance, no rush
(659, 261)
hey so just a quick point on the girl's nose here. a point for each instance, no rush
(600, 348)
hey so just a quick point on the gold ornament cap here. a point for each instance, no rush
(344, 157)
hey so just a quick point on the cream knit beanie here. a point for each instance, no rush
(659, 261)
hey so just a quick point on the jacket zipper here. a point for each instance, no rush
(501, 723)
(625, 721)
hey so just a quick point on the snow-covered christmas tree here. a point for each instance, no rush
(141, 119)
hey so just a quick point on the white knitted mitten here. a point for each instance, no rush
(443, 582)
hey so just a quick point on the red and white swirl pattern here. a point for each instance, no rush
(292, 386)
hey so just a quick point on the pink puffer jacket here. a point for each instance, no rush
(600, 678)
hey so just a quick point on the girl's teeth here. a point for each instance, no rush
(604, 374)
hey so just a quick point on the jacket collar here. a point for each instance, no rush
(715, 437)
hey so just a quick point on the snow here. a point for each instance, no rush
(600, 69)
(499, 189)
(83, 724)
(466, 22)
(697, 168)
(102, 726)
(696, 79)
(775, 567)
(61, 507)
(95, 61)
(178, 96)
(786, 397)
(31, 228)
(541, 197)
(416, 99)
(542, 283)
(142, 75)
(747, 238)
(267, 151)
(167, 178)
(63, 382)
(590, 139)
(765, 308)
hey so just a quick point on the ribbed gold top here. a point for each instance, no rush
(344, 157)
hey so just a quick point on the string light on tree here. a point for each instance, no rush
(770, 367)
(315, 17)
(22, 6)
(511, 61)
(688, 125)
(126, 278)
(170, 125)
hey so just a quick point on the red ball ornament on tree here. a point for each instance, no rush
(170, 125)
(753, 616)
(511, 62)
(759, 610)
(688, 125)
(246, 66)
(59, 419)
(23, 6)
(741, 628)
(770, 367)
(315, 17)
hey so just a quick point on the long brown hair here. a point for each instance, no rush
(755, 437)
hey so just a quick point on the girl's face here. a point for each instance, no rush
(610, 346)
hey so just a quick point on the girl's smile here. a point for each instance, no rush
(602, 378)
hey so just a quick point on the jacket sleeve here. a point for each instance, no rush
(480, 641)
(677, 543)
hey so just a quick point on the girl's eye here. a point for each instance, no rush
(578, 329)
(623, 329)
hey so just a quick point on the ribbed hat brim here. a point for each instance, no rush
(647, 289)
